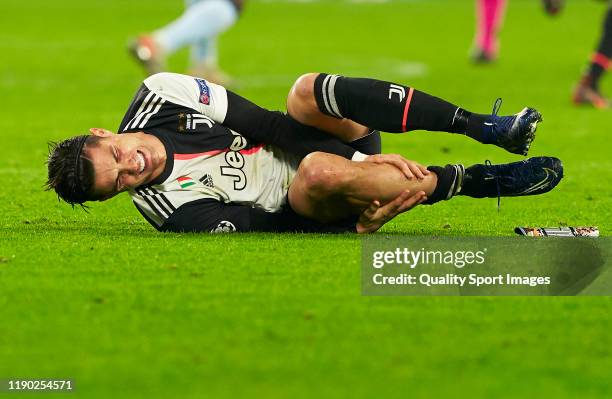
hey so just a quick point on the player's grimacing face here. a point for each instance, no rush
(123, 162)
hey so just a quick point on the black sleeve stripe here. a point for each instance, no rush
(149, 106)
(160, 205)
(143, 105)
(141, 93)
(159, 211)
(163, 197)
(148, 219)
(154, 195)
(148, 116)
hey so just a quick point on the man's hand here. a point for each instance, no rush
(375, 216)
(409, 168)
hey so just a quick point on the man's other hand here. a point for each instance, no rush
(375, 215)
(409, 168)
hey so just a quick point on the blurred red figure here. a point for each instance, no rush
(489, 18)
(490, 15)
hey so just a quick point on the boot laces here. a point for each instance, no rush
(495, 117)
(496, 178)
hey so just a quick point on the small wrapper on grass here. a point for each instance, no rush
(557, 231)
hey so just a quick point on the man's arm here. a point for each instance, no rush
(209, 215)
(281, 130)
(245, 117)
(216, 217)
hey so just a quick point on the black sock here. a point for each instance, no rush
(475, 128)
(393, 108)
(601, 59)
(594, 74)
(450, 180)
(475, 184)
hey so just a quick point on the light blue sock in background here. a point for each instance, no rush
(199, 26)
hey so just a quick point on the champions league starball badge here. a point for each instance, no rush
(204, 91)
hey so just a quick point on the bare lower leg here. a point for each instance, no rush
(328, 187)
(302, 106)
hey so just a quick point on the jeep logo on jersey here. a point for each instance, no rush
(235, 162)
(204, 91)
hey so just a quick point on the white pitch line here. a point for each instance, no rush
(411, 69)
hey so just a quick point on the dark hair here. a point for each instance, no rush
(70, 172)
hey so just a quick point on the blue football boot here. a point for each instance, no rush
(513, 133)
(531, 176)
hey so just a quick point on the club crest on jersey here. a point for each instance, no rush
(204, 91)
(191, 122)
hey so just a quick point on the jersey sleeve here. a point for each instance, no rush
(281, 130)
(245, 117)
(208, 215)
(206, 98)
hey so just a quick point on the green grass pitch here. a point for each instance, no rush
(127, 312)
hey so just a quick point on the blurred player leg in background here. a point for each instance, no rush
(552, 7)
(587, 91)
(204, 62)
(199, 26)
(489, 16)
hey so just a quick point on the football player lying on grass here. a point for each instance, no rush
(198, 158)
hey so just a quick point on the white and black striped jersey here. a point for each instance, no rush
(225, 170)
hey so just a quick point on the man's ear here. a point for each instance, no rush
(96, 131)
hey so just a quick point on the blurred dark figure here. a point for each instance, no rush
(587, 91)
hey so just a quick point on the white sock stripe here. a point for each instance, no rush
(332, 95)
(461, 170)
(324, 93)
(458, 182)
(452, 187)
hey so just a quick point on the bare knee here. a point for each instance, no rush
(320, 177)
(301, 103)
(316, 191)
(303, 87)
